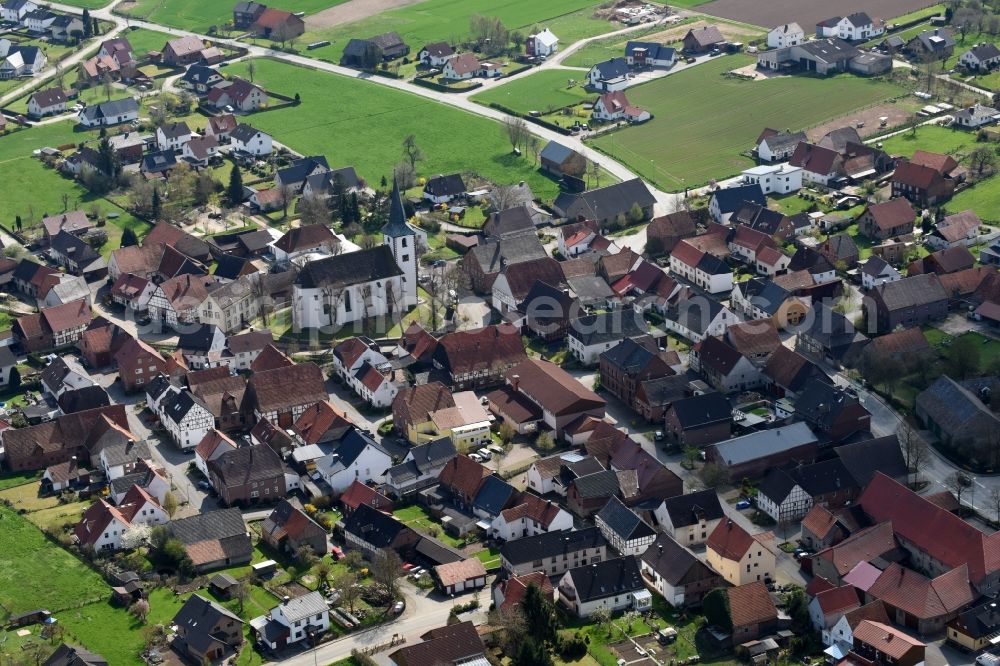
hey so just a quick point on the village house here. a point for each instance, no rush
(788, 34)
(53, 327)
(774, 146)
(957, 414)
(110, 113)
(279, 25)
(366, 53)
(703, 39)
(541, 44)
(47, 102)
(649, 54)
(727, 200)
(922, 184)
(553, 553)
(250, 141)
(625, 532)
(605, 204)
(739, 557)
(676, 573)
(450, 645)
(206, 631)
(357, 457)
(977, 115)
(370, 531)
(294, 620)
(954, 230)
(609, 76)
(420, 467)
(698, 420)
(701, 268)
(281, 395)
(435, 54)
(613, 585)
(185, 417)
(910, 301)
(478, 358)
(752, 613)
(934, 44)
(461, 576)
(753, 454)
(239, 94)
(612, 106)
(875, 271)
(214, 539)
(689, 519)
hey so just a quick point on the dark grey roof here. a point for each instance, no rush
(829, 50)
(653, 50)
(863, 459)
(246, 465)
(912, 292)
(442, 186)
(70, 655)
(158, 386)
(937, 39)
(703, 410)
(605, 579)
(177, 405)
(985, 51)
(784, 140)
(300, 168)
(87, 397)
(612, 69)
(630, 355)
(74, 247)
(730, 199)
(829, 328)
(821, 403)
(118, 107)
(514, 220)
(665, 390)
(344, 270)
(551, 544)
(434, 453)
(776, 486)
(493, 253)
(7, 358)
(353, 443)
(590, 288)
(229, 266)
(244, 133)
(437, 552)
(605, 202)
(859, 19)
(198, 616)
(175, 130)
(874, 266)
(675, 563)
(695, 314)
(494, 495)
(690, 509)
(616, 324)
(323, 182)
(373, 527)
(161, 160)
(121, 452)
(210, 526)
(712, 265)
(207, 337)
(623, 521)
(951, 405)
(598, 484)
(397, 226)
(438, 49)
(556, 152)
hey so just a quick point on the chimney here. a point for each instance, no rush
(515, 380)
(285, 599)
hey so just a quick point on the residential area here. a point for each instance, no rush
(535, 334)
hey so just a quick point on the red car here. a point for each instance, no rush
(338, 552)
(408, 565)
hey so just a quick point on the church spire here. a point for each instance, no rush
(397, 225)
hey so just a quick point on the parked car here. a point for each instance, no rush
(658, 435)
(337, 552)
(743, 504)
(398, 607)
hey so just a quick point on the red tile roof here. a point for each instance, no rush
(838, 600)
(270, 358)
(946, 537)
(730, 540)
(923, 597)
(358, 493)
(819, 521)
(320, 419)
(750, 605)
(514, 589)
(861, 546)
(464, 475)
(533, 507)
(210, 442)
(891, 214)
(552, 388)
(885, 639)
(67, 316)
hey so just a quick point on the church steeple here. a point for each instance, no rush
(397, 225)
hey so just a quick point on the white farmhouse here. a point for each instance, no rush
(184, 417)
(293, 621)
(774, 178)
(626, 532)
(246, 139)
(613, 585)
(542, 44)
(790, 34)
(358, 457)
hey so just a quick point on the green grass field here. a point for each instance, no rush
(931, 138)
(200, 15)
(86, 4)
(540, 91)
(362, 124)
(143, 40)
(448, 20)
(983, 199)
(702, 122)
(36, 573)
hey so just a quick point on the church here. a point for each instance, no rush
(378, 282)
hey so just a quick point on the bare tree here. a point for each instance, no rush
(503, 197)
(915, 450)
(411, 151)
(106, 85)
(285, 195)
(140, 609)
(313, 210)
(405, 175)
(386, 568)
(535, 144)
(251, 69)
(516, 131)
(957, 483)
(595, 173)
(347, 585)
(995, 500)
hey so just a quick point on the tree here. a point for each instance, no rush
(540, 615)
(982, 159)
(385, 570)
(136, 536)
(354, 560)
(956, 482)
(156, 206)
(411, 151)
(95, 27)
(323, 569)
(516, 131)
(17, 222)
(595, 173)
(404, 175)
(106, 85)
(347, 585)
(204, 187)
(532, 653)
(140, 609)
(242, 591)
(544, 441)
(506, 432)
(251, 69)
(88, 27)
(511, 627)
(715, 607)
(109, 162)
(915, 450)
(286, 195)
(535, 145)
(963, 357)
(602, 618)
(306, 556)
(691, 455)
(313, 210)
(636, 214)
(234, 191)
(129, 238)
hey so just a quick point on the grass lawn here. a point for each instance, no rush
(932, 138)
(448, 20)
(686, 144)
(35, 573)
(614, 47)
(490, 557)
(143, 40)
(983, 198)
(371, 121)
(543, 91)
(13, 479)
(199, 15)
(416, 517)
(926, 12)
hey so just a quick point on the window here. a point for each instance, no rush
(347, 301)
(405, 241)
